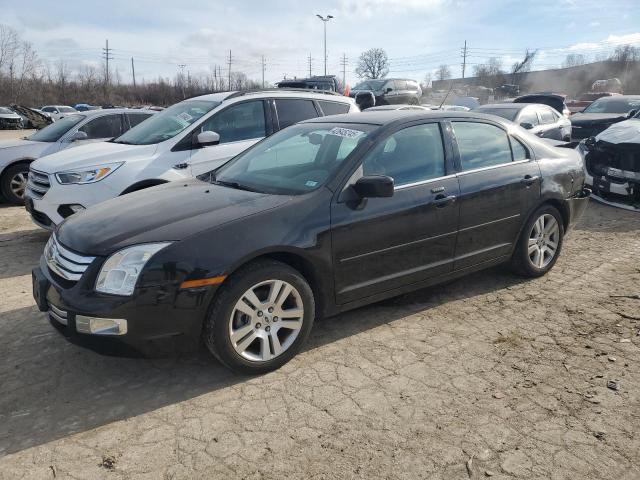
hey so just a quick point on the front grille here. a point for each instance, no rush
(38, 184)
(63, 262)
(58, 315)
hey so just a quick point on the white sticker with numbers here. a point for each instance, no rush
(345, 132)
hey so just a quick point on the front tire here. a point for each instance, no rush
(260, 318)
(13, 183)
(540, 243)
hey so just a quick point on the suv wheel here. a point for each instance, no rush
(14, 183)
(260, 318)
(540, 243)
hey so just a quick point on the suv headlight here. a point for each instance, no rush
(119, 274)
(87, 175)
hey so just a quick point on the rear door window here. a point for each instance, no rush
(333, 108)
(481, 145)
(136, 118)
(106, 126)
(529, 115)
(547, 116)
(292, 111)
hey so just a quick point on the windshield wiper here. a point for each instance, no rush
(235, 185)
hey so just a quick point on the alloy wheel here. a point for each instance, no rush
(18, 184)
(543, 241)
(266, 320)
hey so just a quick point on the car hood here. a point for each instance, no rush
(13, 116)
(17, 143)
(588, 118)
(169, 212)
(623, 132)
(91, 154)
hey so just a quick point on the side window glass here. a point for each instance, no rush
(136, 118)
(401, 84)
(243, 121)
(529, 115)
(107, 126)
(546, 116)
(410, 155)
(292, 111)
(481, 145)
(520, 152)
(333, 108)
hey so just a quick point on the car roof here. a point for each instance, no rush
(277, 92)
(617, 98)
(519, 106)
(104, 111)
(385, 117)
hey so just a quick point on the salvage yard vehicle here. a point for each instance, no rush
(586, 99)
(58, 111)
(389, 91)
(541, 120)
(603, 113)
(322, 217)
(554, 100)
(17, 155)
(612, 162)
(184, 140)
(10, 120)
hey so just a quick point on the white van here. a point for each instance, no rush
(187, 139)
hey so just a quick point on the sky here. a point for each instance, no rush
(418, 35)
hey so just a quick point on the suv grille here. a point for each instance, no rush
(63, 262)
(38, 184)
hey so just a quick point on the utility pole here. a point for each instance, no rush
(344, 70)
(263, 67)
(106, 53)
(310, 74)
(325, 20)
(181, 67)
(229, 70)
(464, 58)
(133, 73)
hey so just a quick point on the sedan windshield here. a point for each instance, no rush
(55, 131)
(168, 123)
(370, 85)
(612, 106)
(5, 110)
(294, 161)
(508, 113)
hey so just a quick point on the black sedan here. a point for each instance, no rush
(322, 217)
(539, 119)
(603, 113)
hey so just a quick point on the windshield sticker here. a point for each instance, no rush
(345, 132)
(310, 183)
(185, 116)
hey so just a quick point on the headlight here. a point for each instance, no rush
(120, 272)
(87, 175)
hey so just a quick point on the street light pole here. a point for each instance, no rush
(324, 21)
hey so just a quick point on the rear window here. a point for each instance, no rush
(333, 108)
(292, 111)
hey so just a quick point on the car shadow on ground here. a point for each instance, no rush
(20, 251)
(50, 388)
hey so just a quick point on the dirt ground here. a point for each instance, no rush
(488, 377)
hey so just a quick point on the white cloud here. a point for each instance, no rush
(371, 7)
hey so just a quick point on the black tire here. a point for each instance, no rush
(6, 182)
(521, 262)
(216, 333)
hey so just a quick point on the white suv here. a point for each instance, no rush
(187, 139)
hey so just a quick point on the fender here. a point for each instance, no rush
(143, 184)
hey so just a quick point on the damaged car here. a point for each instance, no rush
(603, 113)
(612, 162)
(9, 119)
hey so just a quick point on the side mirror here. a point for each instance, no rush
(388, 89)
(207, 138)
(76, 137)
(526, 125)
(590, 143)
(374, 186)
(632, 113)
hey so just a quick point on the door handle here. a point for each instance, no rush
(529, 180)
(443, 200)
(437, 190)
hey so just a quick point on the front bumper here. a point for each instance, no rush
(156, 318)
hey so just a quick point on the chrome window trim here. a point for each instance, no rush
(422, 182)
(465, 172)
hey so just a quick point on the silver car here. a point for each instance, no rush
(76, 129)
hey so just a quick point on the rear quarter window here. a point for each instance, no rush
(292, 111)
(333, 108)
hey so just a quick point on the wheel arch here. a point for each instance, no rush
(561, 207)
(143, 184)
(16, 162)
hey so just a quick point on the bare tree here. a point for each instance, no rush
(443, 72)
(574, 60)
(489, 74)
(373, 63)
(426, 82)
(9, 46)
(522, 66)
(626, 53)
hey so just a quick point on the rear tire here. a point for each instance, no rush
(14, 182)
(255, 339)
(540, 243)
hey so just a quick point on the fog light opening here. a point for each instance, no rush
(101, 326)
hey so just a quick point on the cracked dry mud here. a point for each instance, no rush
(490, 375)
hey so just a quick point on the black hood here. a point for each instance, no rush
(597, 118)
(169, 212)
